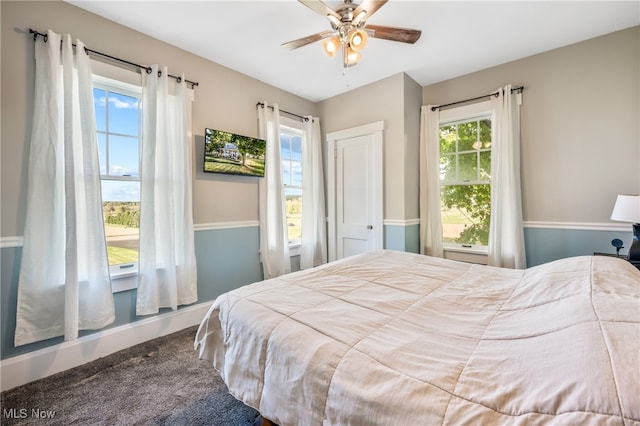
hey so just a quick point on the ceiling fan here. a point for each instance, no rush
(349, 29)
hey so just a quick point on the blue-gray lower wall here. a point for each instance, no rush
(544, 245)
(228, 258)
(402, 237)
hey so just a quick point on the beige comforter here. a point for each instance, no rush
(397, 338)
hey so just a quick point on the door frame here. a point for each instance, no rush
(375, 130)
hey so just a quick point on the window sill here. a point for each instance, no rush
(124, 279)
(466, 254)
(294, 249)
(458, 248)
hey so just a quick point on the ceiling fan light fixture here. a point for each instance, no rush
(351, 57)
(357, 40)
(349, 29)
(331, 46)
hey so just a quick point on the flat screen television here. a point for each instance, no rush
(233, 154)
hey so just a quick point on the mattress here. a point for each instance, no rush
(395, 338)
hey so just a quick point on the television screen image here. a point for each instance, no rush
(234, 154)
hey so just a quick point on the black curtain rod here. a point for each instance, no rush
(113, 58)
(515, 89)
(302, 118)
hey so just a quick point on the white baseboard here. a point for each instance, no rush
(22, 369)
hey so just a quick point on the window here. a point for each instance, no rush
(465, 181)
(118, 125)
(291, 149)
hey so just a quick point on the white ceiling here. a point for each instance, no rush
(458, 37)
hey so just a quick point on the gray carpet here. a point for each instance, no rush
(160, 382)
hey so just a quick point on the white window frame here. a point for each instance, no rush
(480, 110)
(123, 276)
(292, 126)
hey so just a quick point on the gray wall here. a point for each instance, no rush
(580, 124)
(412, 103)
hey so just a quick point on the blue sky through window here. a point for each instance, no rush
(291, 146)
(117, 190)
(118, 125)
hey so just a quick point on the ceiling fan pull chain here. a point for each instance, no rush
(346, 77)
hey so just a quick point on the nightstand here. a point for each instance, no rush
(633, 262)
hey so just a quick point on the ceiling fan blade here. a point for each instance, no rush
(294, 44)
(369, 6)
(403, 35)
(320, 8)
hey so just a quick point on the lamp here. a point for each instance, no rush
(627, 209)
(351, 57)
(348, 38)
(331, 45)
(357, 40)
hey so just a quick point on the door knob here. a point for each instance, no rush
(369, 226)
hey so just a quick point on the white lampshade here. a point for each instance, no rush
(331, 46)
(627, 209)
(351, 57)
(357, 40)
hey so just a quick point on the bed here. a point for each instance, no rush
(395, 338)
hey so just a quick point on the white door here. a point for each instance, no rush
(355, 190)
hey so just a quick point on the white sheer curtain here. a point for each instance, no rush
(313, 250)
(506, 236)
(430, 215)
(167, 266)
(64, 283)
(274, 245)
